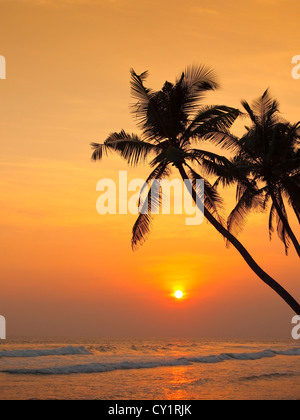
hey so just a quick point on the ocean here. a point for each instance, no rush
(156, 369)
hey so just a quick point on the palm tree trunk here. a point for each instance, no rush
(285, 222)
(294, 305)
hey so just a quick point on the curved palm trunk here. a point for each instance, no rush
(245, 254)
(285, 222)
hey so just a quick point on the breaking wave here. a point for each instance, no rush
(63, 351)
(141, 364)
(99, 367)
(246, 356)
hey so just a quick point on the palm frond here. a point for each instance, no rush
(138, 90)
(147, 110)
(272, 216)
(281, 230)
(197, 80)
(283, 235)
(291, 186)
(212, 200)
(128, 146)
(224, 139)
(266, 108)
(248, 199)
(211, 120)
(211, 163)
(99, 150)
(250, 112)
(142, 226)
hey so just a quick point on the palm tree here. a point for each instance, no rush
(269, 158)
(172, 123)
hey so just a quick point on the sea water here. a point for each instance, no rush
(178, 369)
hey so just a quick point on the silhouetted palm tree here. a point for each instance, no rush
(269, 157)
(172, 123)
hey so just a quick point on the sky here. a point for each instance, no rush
(65, 269)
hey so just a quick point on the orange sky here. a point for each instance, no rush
(65, 270)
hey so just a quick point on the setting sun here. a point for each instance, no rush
(179, 294)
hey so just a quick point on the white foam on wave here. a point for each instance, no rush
(150, 364)
(63, 351)
(246, 356)
(100, 367)
(234, 356)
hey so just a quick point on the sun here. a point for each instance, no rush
(179, 294)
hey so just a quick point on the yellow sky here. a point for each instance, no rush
(64, 268)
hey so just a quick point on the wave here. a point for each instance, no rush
(143, 364)
(245, 356)
(63, 351)
(274, 375)
(98, 367)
